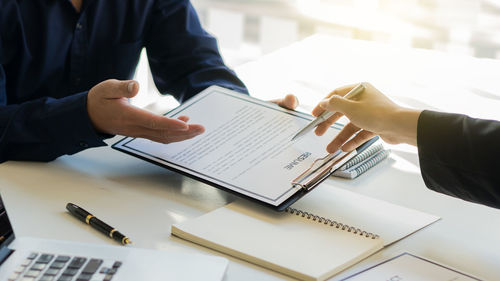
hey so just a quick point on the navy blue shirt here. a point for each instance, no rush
(51, 56)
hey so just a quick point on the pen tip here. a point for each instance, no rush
(296, 136)
(127, 241)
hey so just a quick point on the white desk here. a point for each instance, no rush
(143, 200)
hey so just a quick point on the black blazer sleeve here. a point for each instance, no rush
(460, 156)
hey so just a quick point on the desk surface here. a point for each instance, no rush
(143, 200)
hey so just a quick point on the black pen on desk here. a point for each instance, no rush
(96, 223)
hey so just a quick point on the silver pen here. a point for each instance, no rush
(327, 114)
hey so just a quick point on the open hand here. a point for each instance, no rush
(111, 113)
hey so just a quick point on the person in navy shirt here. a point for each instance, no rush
(65, 67)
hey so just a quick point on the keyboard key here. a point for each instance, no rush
(63, 259)
(108, 277)
(77, 262)
(57, 265)
(92, 266)
(47, 278)
(28, 279)
(26, 262)
(45, 258)
(70, 272)
(117, 264)
(113, 271)
(32, 256)
(32, 273)
(65, 278)
(105, 270)
(38, 266)
(52, 271)
(84, 277)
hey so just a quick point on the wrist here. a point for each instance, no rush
(405, 125)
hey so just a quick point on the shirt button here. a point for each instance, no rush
(78, 26)
(84, 144)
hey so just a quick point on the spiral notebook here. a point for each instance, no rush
(362, 162)
(327, 231)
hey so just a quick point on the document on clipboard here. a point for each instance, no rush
(246, 148)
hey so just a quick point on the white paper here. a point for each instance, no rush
(410, 268)
(246, 146)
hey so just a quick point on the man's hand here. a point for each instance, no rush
(111, 113)
(371, 113)
(289, 102)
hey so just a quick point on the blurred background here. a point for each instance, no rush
(249, 29)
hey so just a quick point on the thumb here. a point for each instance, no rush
(337, 104)
(122, 89)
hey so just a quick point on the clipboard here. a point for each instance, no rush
(291, 181)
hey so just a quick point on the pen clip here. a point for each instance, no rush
(321, 168)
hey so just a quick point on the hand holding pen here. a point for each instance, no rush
(370, 113)
(326, 118)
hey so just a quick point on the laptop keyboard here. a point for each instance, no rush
(50, 267)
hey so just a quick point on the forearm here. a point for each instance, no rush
(44, 129)
(459, 156)
(184, 58)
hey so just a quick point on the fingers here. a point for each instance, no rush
(183, 118)
(334, 103)
(142, 118)
(347, 132)
(143, 124)
(325, 125)
(358, 140)
(289, 102)
(167, 136)
(337, 104)
(114, 89)
(342, 91)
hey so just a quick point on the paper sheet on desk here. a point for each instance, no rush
(407, 267)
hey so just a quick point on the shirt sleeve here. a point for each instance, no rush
(46, 128)
(184, 58)
(460, 156)
(41, 129)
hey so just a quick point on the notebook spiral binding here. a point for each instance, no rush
(332, 223)
(372, 162)
(364, 155)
